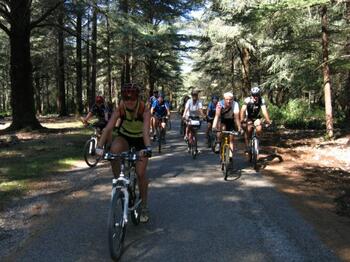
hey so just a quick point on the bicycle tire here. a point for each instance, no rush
(134, 196)
(116, 227)
(90, 156)
(159, 141)
(226, 161)
(255, 153)
(168, 124)
(194, 147)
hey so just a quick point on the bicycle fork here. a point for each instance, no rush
(124, 190)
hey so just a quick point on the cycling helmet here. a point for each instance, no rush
(162, 95)
(99, 100)
(130, 91)
(214, 97)
(194, 93)
(255, 91)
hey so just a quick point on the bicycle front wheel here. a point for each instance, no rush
(194, 147)
(90, 156)
(255, 152)
(226, 161)
(134, 199)
(116, 225)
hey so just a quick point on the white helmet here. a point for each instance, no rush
(255, 91)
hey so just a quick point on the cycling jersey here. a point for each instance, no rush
(211, 110)
(193, 108)
(227, 112)
(160, 110)
(99, 112)
(132, 125)
(152, 99)
(253, 108)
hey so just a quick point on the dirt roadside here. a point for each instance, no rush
(315, 176)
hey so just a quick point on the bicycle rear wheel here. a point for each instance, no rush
(90, 156)
(116, 225)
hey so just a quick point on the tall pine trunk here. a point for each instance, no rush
(61, 98)
(125, 76)
(109, 64)
(326, 72)
(347, 50)
(94, 56)
(79, 67)
(88, 65)
(22, 93)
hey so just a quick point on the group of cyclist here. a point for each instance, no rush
(226, 114)
(136, 123)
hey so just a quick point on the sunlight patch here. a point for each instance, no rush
(257, 183)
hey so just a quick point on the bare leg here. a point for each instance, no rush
(142, 179)
(119, 145)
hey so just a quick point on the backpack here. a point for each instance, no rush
(140, 111)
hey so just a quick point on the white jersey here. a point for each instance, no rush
(193, 109)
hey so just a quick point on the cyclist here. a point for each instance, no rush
(250, 114)
(133, 132)
(211, 113)
(227, 116)
(101, 111)
(160, 112)
(152, 99)
(193, 110)
(182, 110)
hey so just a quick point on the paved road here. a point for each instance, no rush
(195, 216)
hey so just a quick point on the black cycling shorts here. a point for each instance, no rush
(136, 142)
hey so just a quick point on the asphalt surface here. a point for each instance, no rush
(194, 216)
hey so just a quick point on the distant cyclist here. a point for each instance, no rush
(227, 117)
(193, 109)
(211, 113)
(152, 99)
(160, 111)
(250, 114)
(101, 111)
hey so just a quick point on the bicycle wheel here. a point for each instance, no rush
(160, 137)
(116, 225)
(90, 156)
(168, 124)
(134, 198)
(194, 147)
(226, 161)
(255, 152)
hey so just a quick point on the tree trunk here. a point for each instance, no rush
(94, 56)
(125, 78)
(246, 70)
(326, 72)
(347, 50)
(22, 93)
(109, 64)
(38, 94)
(79, 69)
(88, 65)
(61, 101)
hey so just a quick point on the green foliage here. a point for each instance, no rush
(297, 114)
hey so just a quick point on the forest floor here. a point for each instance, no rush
(312, 172)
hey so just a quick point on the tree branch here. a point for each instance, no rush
(5, 14)
(5, 29)
(46, 14)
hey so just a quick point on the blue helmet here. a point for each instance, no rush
(214, 97)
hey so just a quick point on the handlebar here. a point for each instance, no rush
(235, 133)
(128, 155)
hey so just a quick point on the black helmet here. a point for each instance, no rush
(255, 91)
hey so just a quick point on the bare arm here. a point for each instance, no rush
(266, 114)
(109, 128)
(87, 118)
(242, 112)
(216, 118)
(237, 121)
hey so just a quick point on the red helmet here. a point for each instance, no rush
(99, 100)
(130, 91)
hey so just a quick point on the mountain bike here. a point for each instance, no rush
(226, 154)
(193, 124)
(125, 200)
(90, 156)
(253, 152)
(160, 131)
